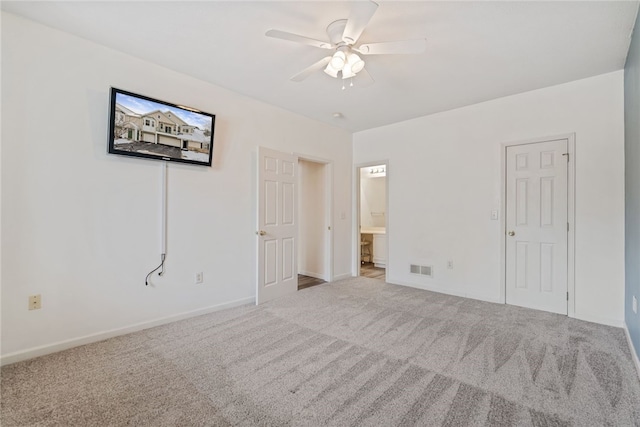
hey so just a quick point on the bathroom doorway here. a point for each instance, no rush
(372, 190)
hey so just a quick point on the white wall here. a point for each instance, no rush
(81, 227)
(373, 199)
(311, 219)
(444, 180)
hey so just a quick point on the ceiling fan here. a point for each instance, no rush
(343, 37)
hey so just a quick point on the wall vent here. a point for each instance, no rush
(423, 270)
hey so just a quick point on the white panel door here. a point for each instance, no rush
(536, 226)
(277, 225)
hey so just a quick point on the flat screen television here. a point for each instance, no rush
(144, 127)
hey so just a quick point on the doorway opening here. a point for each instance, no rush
(372, 230)
(314, 222)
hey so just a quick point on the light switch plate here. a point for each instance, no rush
(494, 215)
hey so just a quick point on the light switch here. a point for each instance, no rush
(494, 214)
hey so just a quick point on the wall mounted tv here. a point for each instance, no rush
(144, 127)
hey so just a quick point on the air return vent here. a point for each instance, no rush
(424, 270)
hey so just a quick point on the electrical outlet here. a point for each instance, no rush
(35, 303)
(199, 278)
(635, 305)
(450, 265)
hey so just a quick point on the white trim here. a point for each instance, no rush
(634, 353)
(443, 290)
(447, 291)
(356, 218)
(328, 254)
(42, 350)
(342, 277)
(314, 159)
(594, 318)
(571, 218)
(328, 212)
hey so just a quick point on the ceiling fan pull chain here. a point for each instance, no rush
(351, 85)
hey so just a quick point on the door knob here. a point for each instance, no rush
(261, 232)
(511, 233)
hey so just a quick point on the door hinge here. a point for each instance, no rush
(567, 296)
(566, 154)
(567, 226)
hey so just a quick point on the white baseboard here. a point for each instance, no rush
(634, 353)
(30, 353)
(588, 317)
(342, 276)
(445, 291)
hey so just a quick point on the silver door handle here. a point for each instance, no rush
(511, 233)
(261, 232)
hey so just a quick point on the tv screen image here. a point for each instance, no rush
(145, 127)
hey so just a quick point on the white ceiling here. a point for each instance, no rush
(476, 51)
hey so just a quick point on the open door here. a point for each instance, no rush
(277, 270)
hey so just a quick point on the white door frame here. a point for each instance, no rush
(571, 182)
(356, 218)
(328, 211)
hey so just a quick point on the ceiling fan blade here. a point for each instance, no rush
(277, 34)
(359, 17)
(310, 70)
(391, 48)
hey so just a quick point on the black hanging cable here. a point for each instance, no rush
(146, 280)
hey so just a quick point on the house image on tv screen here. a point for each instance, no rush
(160, 131)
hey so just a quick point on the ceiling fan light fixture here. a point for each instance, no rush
(347, 72)
(353, 58)
(345, 62)
(355, 62)
(338, 60)
(333, 72)
(358, 66)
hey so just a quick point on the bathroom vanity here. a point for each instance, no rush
(378, 238)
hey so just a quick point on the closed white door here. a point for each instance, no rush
(536, 226)
(277, 225)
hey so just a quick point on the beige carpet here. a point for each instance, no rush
(350, 353)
